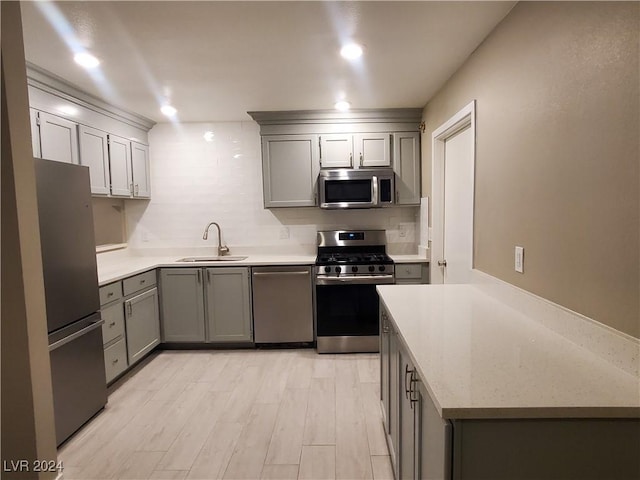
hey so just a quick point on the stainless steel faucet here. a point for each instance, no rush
(222, 249)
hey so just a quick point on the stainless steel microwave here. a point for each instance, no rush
(360, 188)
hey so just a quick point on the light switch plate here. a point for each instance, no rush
(519, 259)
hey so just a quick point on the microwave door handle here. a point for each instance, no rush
(374, 190)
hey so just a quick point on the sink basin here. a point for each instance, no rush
(225, 258)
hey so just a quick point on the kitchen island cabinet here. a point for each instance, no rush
(483, 391)
(206, 305)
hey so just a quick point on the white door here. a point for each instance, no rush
(140, 169)
(453, 175)
(95, 155)
(120, 166)
(336, 151)
(458, 206)
(58, 139)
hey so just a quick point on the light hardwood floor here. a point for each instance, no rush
(241, 414)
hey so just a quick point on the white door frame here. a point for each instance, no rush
(465, 117)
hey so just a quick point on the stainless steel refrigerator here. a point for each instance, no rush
(71, 291)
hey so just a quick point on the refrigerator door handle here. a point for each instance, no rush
(75, 335)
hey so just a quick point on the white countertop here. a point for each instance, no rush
(118, 267)
(114, 266)
(480, 358)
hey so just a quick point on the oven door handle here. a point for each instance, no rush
(364, 279)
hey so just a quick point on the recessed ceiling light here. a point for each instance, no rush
(351, 51)
(208, 136)
(168, 110)
(342, 106)
(86, 60)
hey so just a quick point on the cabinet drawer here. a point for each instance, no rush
(139, 282)
(115, 359)
(110, 293)
(408, 270)
(113, 325)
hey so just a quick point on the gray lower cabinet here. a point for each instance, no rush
(113, 330)
(228, 305)
(206, 305)
(142, 322)
(182, 305)
(411, 273)
(423, 445)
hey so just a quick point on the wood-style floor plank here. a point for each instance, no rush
(237, 414)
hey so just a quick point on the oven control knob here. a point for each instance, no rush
(354, 269)
(371, 268)
(381, 268)
(338, 269)
(327, 269)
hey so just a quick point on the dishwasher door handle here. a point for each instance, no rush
(278, 274)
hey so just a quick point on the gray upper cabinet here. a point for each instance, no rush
(140, 170)
(182, 305)
(94, 153)
(406, 164)
(229, 305)
(373, 149)
(290, 170)
(336, 151)
(142, 324)
(120, 166)
(58, 138)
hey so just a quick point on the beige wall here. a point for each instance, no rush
(557, 161)
(28, 429)
(108, 220)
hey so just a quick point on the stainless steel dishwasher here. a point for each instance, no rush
(282, 304)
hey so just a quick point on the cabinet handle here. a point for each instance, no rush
(397, 196)
(199, 276)
(142, 281)
(110, 294)
(351, 160)
(112, 324)
(129, 309)
(131, 188)
(114, 362)
(320, 149)
(208, 276)
(412, 381)
(137, 189)
(361, 159)
(406, 383)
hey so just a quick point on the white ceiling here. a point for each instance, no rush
(214, 61)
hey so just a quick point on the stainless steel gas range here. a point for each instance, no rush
(349, 265)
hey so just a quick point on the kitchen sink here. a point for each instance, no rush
(225, 258)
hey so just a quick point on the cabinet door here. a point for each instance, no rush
(408, 419)
(336, 151)
(35, 132)
(58, 138)
(373, 150)
(94, 153)
(140, 170)
(228, 305)
(113, 326)
(394, 398)
(384, 367)
(406, 164)
(143, 324)
(290, 170)
(182, 301)
(120, 166)
(435, 440)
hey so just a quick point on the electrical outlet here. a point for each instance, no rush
(402, 230)
(284, 233)
(519, 260)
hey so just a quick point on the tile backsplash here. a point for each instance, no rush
(195, 181)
